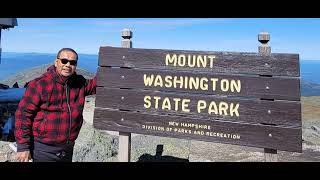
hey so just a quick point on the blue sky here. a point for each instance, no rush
(86, 35)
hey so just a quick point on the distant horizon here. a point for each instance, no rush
(98, 54)
(41, 53)
(13, 62)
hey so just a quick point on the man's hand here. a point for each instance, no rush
(24, 156)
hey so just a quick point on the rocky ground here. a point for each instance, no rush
(101, 146)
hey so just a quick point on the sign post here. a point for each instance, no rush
(270, 155)
(125, 137)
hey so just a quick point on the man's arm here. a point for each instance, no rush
(91, 85)
(26, 111)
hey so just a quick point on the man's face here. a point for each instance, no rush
(67, 69)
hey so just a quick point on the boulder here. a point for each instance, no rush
(15, 85)
(316, 129)
(3, 86)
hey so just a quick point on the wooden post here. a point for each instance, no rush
(270, 155)
(124, 137)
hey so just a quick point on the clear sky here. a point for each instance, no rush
(86, 35)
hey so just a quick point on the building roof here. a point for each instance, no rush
(8, 23)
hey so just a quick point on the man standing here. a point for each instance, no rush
(49, 115)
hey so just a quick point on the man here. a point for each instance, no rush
(49, 115)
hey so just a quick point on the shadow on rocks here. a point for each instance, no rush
(159, 158)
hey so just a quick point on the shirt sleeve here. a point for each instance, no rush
(25, 113)
(91, 85)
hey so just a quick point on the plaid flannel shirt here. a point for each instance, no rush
(50, 110)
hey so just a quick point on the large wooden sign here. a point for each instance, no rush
(227, 97)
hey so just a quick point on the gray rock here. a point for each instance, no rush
(316, 129)
(94, 146)
(6, 153)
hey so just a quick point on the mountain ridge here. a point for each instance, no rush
(29, 74)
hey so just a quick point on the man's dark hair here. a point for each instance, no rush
(67, 49)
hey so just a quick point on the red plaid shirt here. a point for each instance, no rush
(47, 114)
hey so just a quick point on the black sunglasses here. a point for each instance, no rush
(65, 61)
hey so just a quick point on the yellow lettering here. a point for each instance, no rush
(234, 109)
(176, 101)
(213, 108)
(235, 85)
(147, 100)
(166, 104)
(148, 80)
(186, 82)
(180, 81)
(158, 81)
(185, 104)
(168, 81)
(194, 83)
(224, 85)
(223, 107)
(182, 60)
(191, 62)
(203, 86)
(171, 60)
(201, 61)
(156, 98)
(214, 85)
(201, 105)
(211, 57)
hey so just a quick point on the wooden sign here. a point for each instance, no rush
(276, 64)
(246, 99)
